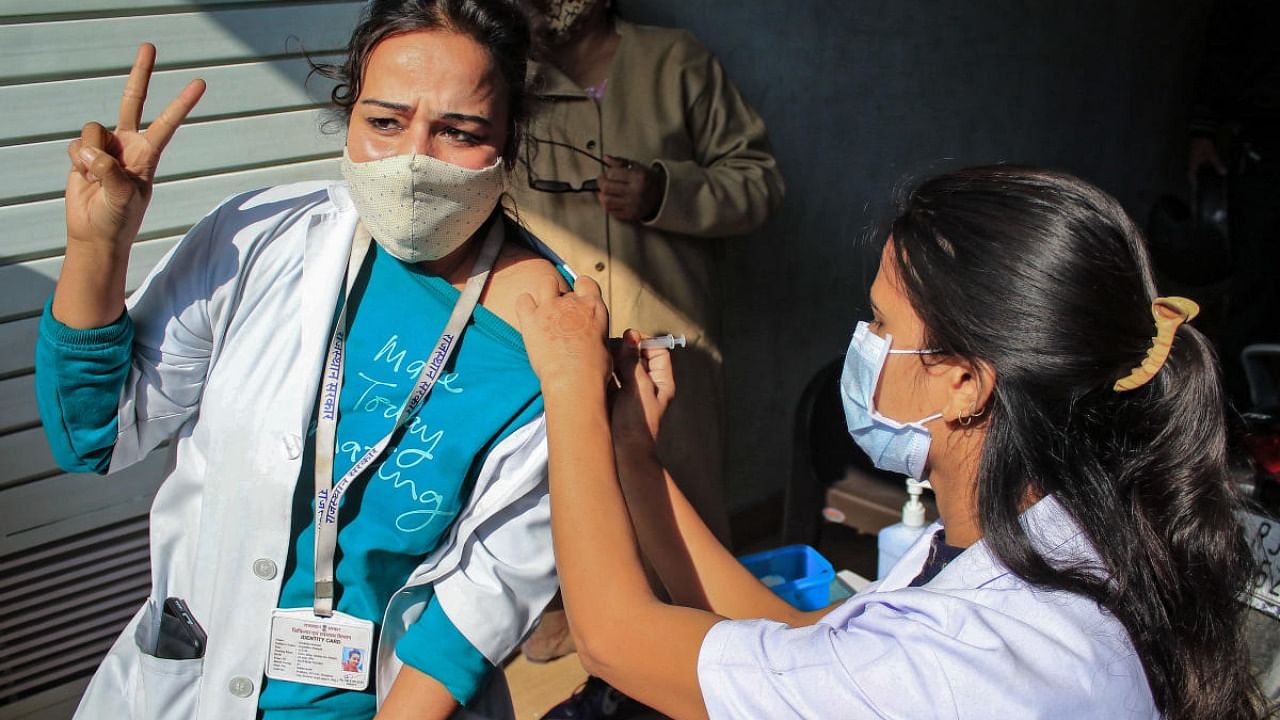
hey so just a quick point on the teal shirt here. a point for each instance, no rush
(394, 514)
(79, 377)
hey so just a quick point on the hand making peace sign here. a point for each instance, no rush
(112, 171)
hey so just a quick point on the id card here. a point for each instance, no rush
(306, 648)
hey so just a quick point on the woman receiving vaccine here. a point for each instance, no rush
(1088, 562)
(357, 451)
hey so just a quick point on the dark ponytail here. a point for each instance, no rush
(1045, 278)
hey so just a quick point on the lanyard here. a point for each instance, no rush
(328, 493)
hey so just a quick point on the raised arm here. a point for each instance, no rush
(645, 648)
(108, 190)
(697, 570)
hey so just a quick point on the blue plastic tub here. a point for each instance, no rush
(796, 573)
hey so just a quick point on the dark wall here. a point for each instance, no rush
(863, 96)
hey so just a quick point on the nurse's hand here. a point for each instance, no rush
(564, 336)
(648, 385)
(112, 170)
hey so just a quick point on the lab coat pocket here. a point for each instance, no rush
(168, 688)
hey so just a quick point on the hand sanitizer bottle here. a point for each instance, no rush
(894, 540)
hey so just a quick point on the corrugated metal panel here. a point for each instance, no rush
(16, 409)
(28, 285)
(39, 170)
(32, 9)
(20, 334)
(38, 231)
(73, 547)
(40, 514)
(65, 602)
(104, 46)
(34, 111)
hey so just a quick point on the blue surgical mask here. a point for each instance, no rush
(893, 446)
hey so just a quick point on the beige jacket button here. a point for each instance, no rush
(599, 267)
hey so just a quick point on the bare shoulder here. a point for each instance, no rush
(518, 270)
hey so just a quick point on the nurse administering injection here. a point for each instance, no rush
(1087, 563)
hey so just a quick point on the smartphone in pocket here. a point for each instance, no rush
(181, 637)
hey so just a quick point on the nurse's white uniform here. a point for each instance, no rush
(975, 642)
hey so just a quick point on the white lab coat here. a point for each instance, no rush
(230, 333)
(974, 642)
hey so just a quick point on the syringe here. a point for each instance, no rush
(670, 342)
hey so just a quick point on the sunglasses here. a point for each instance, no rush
(559, 186)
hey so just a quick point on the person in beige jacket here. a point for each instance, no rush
(641, 154)
(639, 157)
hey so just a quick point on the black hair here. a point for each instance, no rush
(1044, 278)
(501, 27)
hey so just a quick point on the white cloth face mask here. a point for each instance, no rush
(893, 446)
(419, 208)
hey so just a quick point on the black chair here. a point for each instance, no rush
(1262, 368)
(823, 459)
